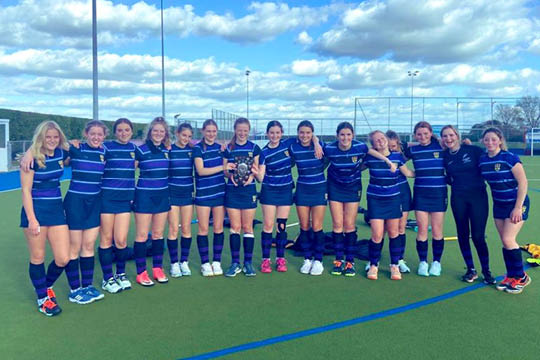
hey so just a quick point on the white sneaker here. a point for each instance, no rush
(435, 269)
(423, 268)
(306, 266)
(317, 268)
(206, 270)
(216, 268)
(403, 268)
(123, 281)
(111, 286)
(368, 265)
(175, 270)
(184, 268)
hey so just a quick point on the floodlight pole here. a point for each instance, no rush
(247, 93)
(95, 113)
(412, 74)
(162, 66)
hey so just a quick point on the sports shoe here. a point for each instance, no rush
(372, 273)
(93, 292)
(144, 279)
(49, 308)
(216, 268)
(159, 275)
(111, 285)
(175, 270)
(395, 272)
(517, 285)
(503, 284)
(316, 268)
(338, 268)
(488, 278)
(51, 295)
(349, 269)
(184, 267)
(80, 297)
(470, 276)
(403, 266)
(248, 269)
(435, 268)
(206, 270)
(266, 266)
(423, 268)
(281, 265)
(123, 281)
(306, 266)
(368, 265)
(233, 270)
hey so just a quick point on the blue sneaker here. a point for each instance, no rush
(233, 270)
(93, 293)
(80, 297)
(248, 269)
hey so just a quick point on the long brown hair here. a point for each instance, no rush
(499, 134)
(238, 121)
(206, 123)
(159, 121)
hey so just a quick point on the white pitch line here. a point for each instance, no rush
(293, 224)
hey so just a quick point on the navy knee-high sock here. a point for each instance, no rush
(86, 263)
(219, 240)
(305, 243)
(438, 248)
(106, 260)
(375, 252)
(402, 245)
(350, 242)
(202, 244)
(516, 263)
(139, 250)
(157, 253)
(53, 273)
(234, 243)
(422, 249)
(72, 274)
(281, 237)
(185, 244)
(318, 237)
(249, 244)
(121, 258)
(395, 250)
(172, 246)
(266, 244)
(38, 278)
(338, 245)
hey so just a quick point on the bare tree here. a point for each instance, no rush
(530, 111)
(509, 116)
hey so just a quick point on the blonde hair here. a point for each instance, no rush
(454, 129)
(499, 134)
(37, 149)
(370, 135)
(159, 121)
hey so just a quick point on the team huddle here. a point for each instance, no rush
(212, 177)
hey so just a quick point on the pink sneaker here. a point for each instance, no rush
(281, 264)
(265, 266)
(159, 275)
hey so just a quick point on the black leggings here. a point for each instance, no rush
(470, 213)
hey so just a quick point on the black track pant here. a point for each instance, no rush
(471, 211)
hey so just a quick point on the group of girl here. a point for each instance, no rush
(103, 192)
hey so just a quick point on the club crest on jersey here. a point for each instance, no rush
(189, 153)
(254, 198)
(132, 155)
(436, 154)
(101, 158)
(523, 209)
(354, 159)
(497, 167)
(250, 153)
(61, 163)
(287, 153)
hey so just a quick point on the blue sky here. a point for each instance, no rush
(308, 59)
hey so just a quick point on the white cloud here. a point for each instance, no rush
(432, 32)
(304, 39)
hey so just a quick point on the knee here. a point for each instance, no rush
(37, 257)
(61, 261)
(247, 228)
(88, 247)
(187, 232)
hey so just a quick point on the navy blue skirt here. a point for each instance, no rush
(181, 198)
(406, 197)
(151, 201)
(503, 211)
(48, 213)
(213, 202)
(113, 206)
(238, 197)
(276, 195)
(82, 211)
(384, 207)
(430, 203)
(310, 195)
(344, 193)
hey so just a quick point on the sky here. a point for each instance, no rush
(307, 59)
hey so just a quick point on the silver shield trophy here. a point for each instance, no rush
(243, 169)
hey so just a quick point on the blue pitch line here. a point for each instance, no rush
(341, 324)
